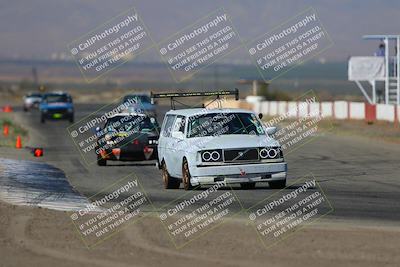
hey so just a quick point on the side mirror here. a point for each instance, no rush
(177, 135)
(270, 130)
(260, 116)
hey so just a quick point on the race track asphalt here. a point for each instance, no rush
(360, 177)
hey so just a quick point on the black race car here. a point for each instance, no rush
(127, 137)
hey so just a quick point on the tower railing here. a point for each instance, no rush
(377, 69)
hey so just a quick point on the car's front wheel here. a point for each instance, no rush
(277, 184)
(169, 182)
(186, 175)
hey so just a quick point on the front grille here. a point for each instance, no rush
(238, 155)
(58, 111)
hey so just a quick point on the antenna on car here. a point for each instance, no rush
(217, 94)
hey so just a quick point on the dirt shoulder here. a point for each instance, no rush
(41, 237)
(379, 130)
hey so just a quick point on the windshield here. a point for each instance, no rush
(138, 99)
(57, 98)
(34, 95)
(129, 123)
(223, 124)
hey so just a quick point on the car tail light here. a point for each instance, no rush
(135, 142)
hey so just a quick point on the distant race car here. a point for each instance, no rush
(127, 137)
(32, 100)
(56, 106)
(140, 103)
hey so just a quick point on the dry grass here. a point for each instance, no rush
(379, 130)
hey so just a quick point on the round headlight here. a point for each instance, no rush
(206, 156)
(268, 153)
(272, 153)
(215, 155)
(211, 155)
(264, 153)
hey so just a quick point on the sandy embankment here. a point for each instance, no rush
(33, 236)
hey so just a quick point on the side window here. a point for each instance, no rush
(169, 121)
(179, 125)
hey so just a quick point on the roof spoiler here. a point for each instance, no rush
(172, 96)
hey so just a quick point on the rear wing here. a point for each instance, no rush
(172, 96)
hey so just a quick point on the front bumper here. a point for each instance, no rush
(59, 114)
(241, 173)
(130, 153)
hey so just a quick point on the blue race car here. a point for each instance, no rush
(139, 103)
(56, 106)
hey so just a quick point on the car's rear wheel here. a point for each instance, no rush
(186, 176)
(71, 119)
(169, 182)
(248, 185)
(277, 184)
(101, 161)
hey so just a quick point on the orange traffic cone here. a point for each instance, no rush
(18, 144)
(7, 108)
(38, 152)
(5, 129)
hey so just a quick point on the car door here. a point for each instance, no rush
(165, 136)
(176, 147)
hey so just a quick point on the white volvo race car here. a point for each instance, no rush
(207, 146)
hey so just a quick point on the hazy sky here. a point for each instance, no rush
(39, 28)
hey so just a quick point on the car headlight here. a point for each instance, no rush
(153, 142)
(270, 153)
(211, 155)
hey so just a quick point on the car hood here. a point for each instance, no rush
(232, 141)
